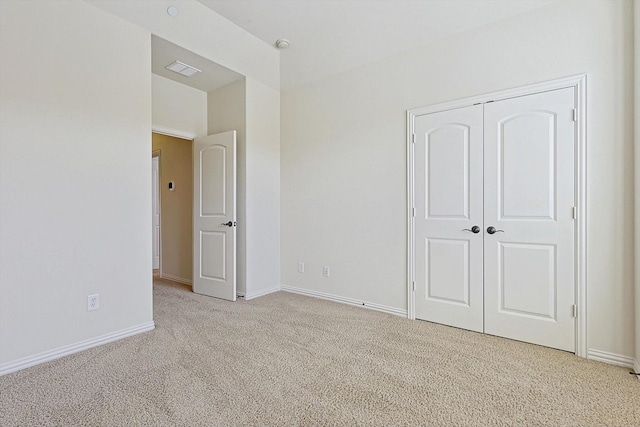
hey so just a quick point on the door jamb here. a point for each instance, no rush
(182, 134)
(158, 154)
(579, 84)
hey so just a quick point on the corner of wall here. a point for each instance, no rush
(636, 121)
(262, 187)
(226, 110)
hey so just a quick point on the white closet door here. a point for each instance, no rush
(529, 199)
(448, 198)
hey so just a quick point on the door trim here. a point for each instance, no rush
(158, 154)
(579, 84)
(182, 134)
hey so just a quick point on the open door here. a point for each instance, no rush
(214, 215)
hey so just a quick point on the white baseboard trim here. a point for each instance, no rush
(636, 367)
(175, 279)
(611, 358)
(252, 295)
(345, 300)
(26, 362)
(240, 294)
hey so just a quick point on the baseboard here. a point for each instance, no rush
(247, 296)
(636, 367)
(345, 300)
(176, 279)
(611, 358)
(26, 362)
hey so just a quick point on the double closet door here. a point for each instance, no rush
(494, 223)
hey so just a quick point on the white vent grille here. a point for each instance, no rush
(182, 68)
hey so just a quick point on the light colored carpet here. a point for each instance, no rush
(285, 359)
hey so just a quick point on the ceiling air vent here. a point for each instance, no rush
(182, 68)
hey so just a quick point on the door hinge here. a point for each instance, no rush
(413, 138)
(574, 310)
(575, 114)
(414, 285)
(574, 213)
(413, 212)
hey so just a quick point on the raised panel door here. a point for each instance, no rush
(214, 215)
(448, 198)
(529, 200)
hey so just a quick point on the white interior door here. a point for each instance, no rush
(155, 206)
(448, 195)
(529, 199)
(214, 215)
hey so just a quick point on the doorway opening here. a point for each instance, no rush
(175, 198)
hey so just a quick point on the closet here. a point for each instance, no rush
(494, 223)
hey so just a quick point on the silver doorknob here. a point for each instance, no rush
(492, 230)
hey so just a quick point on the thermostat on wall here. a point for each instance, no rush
(172, 186)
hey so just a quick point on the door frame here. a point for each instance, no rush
(177, 133)
(158, 154)
(579, 84)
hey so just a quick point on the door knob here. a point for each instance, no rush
(492, 230)
(228, 224)
(475, 229)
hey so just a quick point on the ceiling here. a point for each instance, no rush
(212, 76)
(332, 36)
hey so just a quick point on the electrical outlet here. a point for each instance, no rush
(93, 302)
(325, 271)
(301, 267)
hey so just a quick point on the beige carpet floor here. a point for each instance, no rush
(285, 359)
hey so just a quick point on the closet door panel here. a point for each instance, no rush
(528, 200)
(448, 198)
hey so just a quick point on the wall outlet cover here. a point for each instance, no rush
(93, 302)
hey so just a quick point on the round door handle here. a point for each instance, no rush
(475, 229)
(492, 230)
(228, 224)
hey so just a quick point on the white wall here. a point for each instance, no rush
(178, 107)
(344, 158)
(75, 176)
(227, 111)
(263, 188)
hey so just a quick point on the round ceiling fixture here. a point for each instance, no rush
(172, 11)
(282, 43)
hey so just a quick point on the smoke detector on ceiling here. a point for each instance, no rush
(182, 68)
(282, 43)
